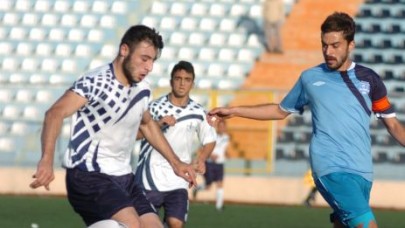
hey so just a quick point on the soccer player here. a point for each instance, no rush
(108, 105)
(215, 166)
(341, 96)
(181, 119)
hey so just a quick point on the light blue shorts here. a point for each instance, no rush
(348, 194)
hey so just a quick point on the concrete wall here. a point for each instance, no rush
(256, 190)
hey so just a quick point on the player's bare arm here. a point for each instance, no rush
(68, 104)
(202, 156)
(257, 112)
(151, 131)
(396, 129)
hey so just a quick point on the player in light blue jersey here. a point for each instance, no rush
(341, 96)
(109, 104)
(181, 120)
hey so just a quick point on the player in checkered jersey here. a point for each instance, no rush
(109, 104)
(181, 120)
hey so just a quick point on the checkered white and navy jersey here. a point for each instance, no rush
(103, 132)
(153, 171)
(220, 148)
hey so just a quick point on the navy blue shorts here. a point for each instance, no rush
(175, 203)
(214, 172)
(97, 196)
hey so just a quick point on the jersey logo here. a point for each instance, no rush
(364, 87)
(319, 83)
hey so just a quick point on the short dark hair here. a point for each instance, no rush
(183, 65)
(338, 22)
(138, 33)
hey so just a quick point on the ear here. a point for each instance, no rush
(124, 50)
(352, 45)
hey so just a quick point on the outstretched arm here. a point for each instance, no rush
(68, 104)
(396, 129)
(151, 131)
(256, 112)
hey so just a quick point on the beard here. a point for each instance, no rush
(127, 69)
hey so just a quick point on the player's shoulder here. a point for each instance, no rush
(196, 106)
(100, 71)
(365, 72)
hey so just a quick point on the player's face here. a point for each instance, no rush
(182, 82)
(336, 50)
(139, 62)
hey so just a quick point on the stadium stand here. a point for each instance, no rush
(46, 44)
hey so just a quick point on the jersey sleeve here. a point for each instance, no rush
(295, 100)
(381, 105)
(82, 86)
(206, 133)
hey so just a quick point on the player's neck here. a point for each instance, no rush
(178, 101)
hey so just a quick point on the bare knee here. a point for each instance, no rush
(174, 222)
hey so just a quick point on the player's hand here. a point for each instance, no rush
(186, 171)
(199, 167)
(167, 120)
(217, 114)
(43, 176)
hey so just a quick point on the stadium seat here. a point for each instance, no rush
(217, 10)
(189, 23)
(208, 24)
(186, 53)
(11, 111)
(69, 20)
(80, 6)
(168, 23)
(9, 64)
(159, 8)
(63, 49)
(217, 39)
(24, 96)
(236, 40)
(95, 35)
(197, 38)
(61, 6)
(57, 34)
(30, 19)
(107, 21)
(88, 21)
(238, 10)
(226, 54)
(18, 33)
(7, 144)
(50, 19)
(204, 83)
(178, 38)
(199, 9)
(76, 35)
(178, 8)
(23, 5)
(6, 95)
(119, 7)
(100, 6)
(38, 34)
(18, 78)
(23, 48)
(207, 53)
(39, 78)
(47, 65)
(6, 48)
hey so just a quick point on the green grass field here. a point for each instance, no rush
(54, 212)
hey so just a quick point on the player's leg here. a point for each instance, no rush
(176, 206)
(96, 196)
(128, 216)
(348, 194)
(108, 223)
(218, 177)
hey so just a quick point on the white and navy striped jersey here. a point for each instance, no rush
(103, 131)
(220, 148)
(153, 171)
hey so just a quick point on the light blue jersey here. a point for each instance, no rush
(341, 104)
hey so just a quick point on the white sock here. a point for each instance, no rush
(220, 198)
